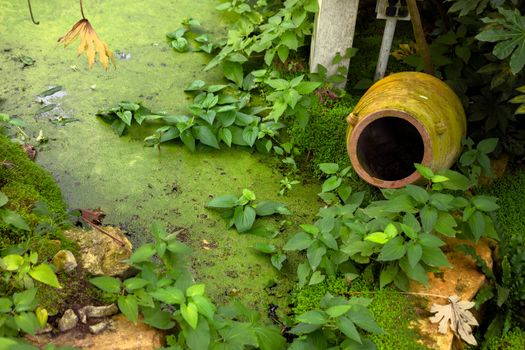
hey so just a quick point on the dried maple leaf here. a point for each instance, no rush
(459, 317)
(89, 42)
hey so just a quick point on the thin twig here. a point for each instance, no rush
(92, 224)
(421, 43)
(31, 13)
(82, 10)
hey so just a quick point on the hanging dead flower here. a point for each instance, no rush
(89, 42)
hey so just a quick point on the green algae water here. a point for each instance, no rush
(135, 185)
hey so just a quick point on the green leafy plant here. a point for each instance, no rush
(190, 37)
(18, 303)
(336, 322)
(475, 161)
(401, 233)
(336, 188)
(277, 258)
(122, 116)
(166, 296)
(241, 212)
(509, 33)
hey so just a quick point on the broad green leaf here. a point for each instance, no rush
(233, 71)
(45, 274)
(12, 262)
(299, 241)
(106, 283)
(430, 240)
(363, 318)
(311, 229)
(265, 208)
(487, 145)
(393, 250)
(338, 310)
(134, 283)
(377, 237)
(41, 316)
(143, 253)
(331, 184)
(316, 317)
(27, 322)
(485, 203)
(3, 199)
(303, 271)
(226, 136)
(429, 216)
(25, 301)
(5, 305)
(387, 275)
(188, 140)
(157, 318)
(196, 85)
(306, 87)
(205, 135)
(265, 248)
(348, 328)
(199, 338)
(414, 253)
(439, 178)
(416, 272)
(227, 201)
(477, 224)
(190, 313)
(204, 306)
(277, 260)
(434, 256)
(317, 277)
(418, 193)
(314, 254)
(426, 172)
(445, 224)
(13, 219)
(168, 295)
(268, 337)
(244, 218)
(129, 307)
(196, 289)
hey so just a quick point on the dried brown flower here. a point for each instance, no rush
(89, 42)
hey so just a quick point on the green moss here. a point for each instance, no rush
(392, 311)
(513, 340)
(510, 191)
(324, 139)
(25, 183)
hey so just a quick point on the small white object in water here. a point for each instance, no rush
(423, 97)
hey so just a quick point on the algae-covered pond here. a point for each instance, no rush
(133, 184)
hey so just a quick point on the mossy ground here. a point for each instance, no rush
(513, 340)
(25, 184)
(392, 310)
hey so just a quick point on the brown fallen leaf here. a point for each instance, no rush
(459, 317)
(89, 42)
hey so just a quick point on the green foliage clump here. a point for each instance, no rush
(513, 340)
(324, 139)
(392, 311)
(25, 184)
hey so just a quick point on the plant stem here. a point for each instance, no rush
(81, 10)
(422, 46)
(31, 13)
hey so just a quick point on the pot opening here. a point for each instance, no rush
(388, 148)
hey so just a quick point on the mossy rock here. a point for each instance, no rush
(25, 184)
(392, 310)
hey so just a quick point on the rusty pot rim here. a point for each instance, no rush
(358, 129)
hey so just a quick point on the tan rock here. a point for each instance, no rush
(464, 280)
(64, 260)
(122, 335)
(68, 321)
(101, 254)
